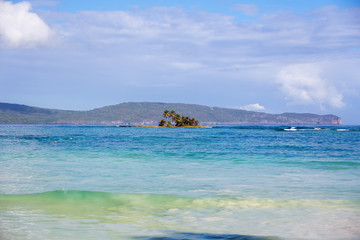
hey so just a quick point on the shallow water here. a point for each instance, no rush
(239, 182)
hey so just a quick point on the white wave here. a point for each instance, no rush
(290, 129)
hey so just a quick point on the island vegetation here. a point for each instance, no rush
(177, 120)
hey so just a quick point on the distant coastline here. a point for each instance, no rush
(153, 126)
(148, 113)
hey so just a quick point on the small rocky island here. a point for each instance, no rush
(179, 121)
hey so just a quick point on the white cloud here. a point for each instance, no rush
(21, 28)
(215, 40)
(159, 25)
(247, 9)
(304, 84)
(253, 107)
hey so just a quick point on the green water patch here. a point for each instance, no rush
(86, 203)
(170, 217)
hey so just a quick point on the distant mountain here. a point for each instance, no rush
(149, 113)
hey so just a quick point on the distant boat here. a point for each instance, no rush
(290, 129)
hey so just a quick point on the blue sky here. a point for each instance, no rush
(274, 56)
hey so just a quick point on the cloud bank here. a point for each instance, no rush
(303, 84)
(21, 28)
(214, 40)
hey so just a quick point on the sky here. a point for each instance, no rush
(273, 56)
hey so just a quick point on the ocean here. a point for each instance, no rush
(220, 182)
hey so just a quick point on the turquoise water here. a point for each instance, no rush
(238, 182)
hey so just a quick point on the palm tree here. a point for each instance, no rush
(166, 114)
(187, 121)
(194, 122)
(178, 120)
(162, 123)
(172, 114)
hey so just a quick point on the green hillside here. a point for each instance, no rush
(140, 113)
